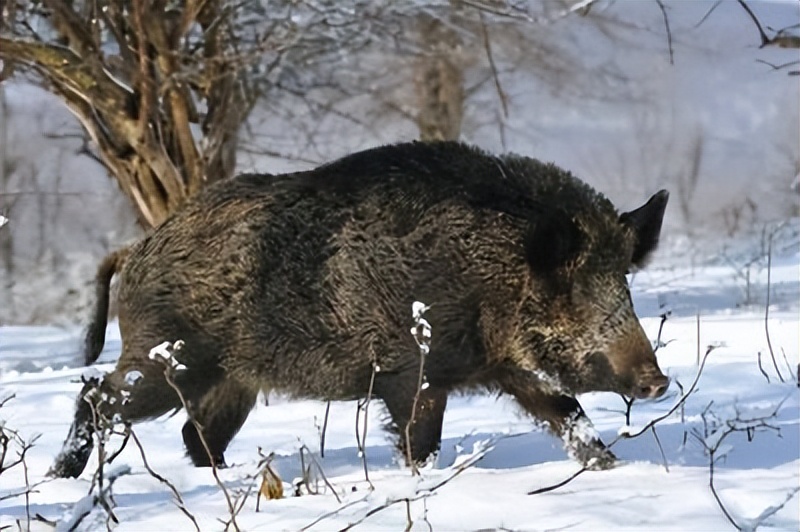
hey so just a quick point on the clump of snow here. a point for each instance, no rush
(92, 374)
(551, 383)
(405, 487)
(580, 430)
(165, 351)
(629, 430)
(418, 308)
(133, 376)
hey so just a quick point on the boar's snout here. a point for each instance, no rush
(651, 387)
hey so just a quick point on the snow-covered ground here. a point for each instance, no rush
(756, 475)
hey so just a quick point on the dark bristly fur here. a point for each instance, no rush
(298, 282)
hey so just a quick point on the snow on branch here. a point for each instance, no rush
(712, 438)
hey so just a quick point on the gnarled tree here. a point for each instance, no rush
(158, 86)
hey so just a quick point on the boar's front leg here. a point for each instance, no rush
(562, 414)
(398, 392)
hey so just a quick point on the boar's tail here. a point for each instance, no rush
(96, 331)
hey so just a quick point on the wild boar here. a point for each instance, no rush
(301, 283)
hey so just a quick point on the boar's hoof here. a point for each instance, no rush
(594, 455)
(69, 465)
(74, 455)
(218, 461)
(601, 461)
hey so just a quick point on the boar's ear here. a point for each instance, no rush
(553, 241)
(646, 224)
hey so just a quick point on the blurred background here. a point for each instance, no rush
(699, 97)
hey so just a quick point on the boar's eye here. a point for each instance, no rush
(646, 224)
(553, 241)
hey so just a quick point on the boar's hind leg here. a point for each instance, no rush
(77, 448)
(397, 392)
(221, 412)
(563, 416)
(99, 402)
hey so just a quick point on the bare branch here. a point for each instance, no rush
(764, 39)
(766, 309)
(179, 502)
(325, 430)
(708, 13)
(778, 67)
(560, 484)
(305, 450)
(498, 87)
(361, 439)
(669, 32)
(714, 434)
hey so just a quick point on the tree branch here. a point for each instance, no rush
(669, 32)
(764, 39)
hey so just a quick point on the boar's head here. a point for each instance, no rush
(587, 337)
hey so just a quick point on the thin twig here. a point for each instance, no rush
(425, 515)
(714, 490)
(772, 510)
(27, 491)
(179, 500)
(324, 430)
(778, 67)
(126, 436)
(788, 366)
(766, 310)
(628, 408)
(335, 512)
(487, 45)
(698, 339)
(409, 522)
(659, 343)
(320, 471)
(708, 14)
(383, 507)
(761, 368)
(669, 32)
(560, 484)
(713, 443)
(362, 441)
(421, 326)
(683, 414)
(764, 39)
(660, 448)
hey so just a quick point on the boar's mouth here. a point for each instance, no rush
(599, 375)
(651, 387)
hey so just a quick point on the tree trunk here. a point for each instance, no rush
(439, 81)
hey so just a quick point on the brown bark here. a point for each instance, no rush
(138, 107)
(439, 82)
